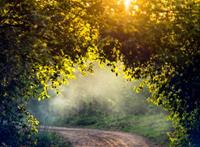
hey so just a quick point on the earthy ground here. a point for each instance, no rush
(98, 138)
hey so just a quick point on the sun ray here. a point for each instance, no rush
(127, 4)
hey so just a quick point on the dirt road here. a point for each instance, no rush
(98, 138)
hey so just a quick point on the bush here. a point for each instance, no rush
(49, 139)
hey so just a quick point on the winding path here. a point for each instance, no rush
(98, 138)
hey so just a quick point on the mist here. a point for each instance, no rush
(103, 90)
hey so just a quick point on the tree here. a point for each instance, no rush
(159, 41)
(40, 43)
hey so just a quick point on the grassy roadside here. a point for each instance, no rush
(49, 139)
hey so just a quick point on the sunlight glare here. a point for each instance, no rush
(127, 4)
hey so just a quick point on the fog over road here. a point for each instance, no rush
(98, 138)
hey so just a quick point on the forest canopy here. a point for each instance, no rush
(43, 42)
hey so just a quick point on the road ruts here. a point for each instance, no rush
(99, 138)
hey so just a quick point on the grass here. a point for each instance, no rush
(49, 139)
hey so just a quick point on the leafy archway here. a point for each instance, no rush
(44, 41)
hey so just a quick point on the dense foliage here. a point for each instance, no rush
(49, 139)
(41, 42)
(159, 41)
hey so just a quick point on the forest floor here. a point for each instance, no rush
(80, 137)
